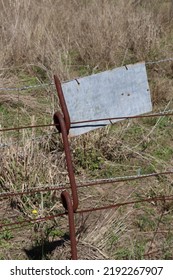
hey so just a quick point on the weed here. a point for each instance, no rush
(145, 223)
(6, 235)
(89, 159)
(123, 254)
(139, 250)
(164, 153)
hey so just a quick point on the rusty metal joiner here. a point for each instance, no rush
(58, 116)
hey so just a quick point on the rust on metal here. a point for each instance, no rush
(67, 203)
(156, 198)
(117, 205)
(28, 221)
(58, 116)
(62, 122)
(62, 104)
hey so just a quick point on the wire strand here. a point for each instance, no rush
(166, 113)
(86, 184)
(83, 211)
(32, 139)
(52, 83)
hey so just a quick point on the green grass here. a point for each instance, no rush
(6, 235)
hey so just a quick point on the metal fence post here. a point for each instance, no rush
(62, 122)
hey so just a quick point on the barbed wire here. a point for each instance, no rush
(26, 87)
(159, 61)
(90, 183)
(52, 83)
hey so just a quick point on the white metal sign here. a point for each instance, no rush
(121, 92)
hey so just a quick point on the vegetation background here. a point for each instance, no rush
(76, 38)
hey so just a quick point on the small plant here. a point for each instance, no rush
(145, 223)
(89, 159)
(123, 254)
(139, 250)
(164, 153)
(6, 234)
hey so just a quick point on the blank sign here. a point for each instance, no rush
(121, 92)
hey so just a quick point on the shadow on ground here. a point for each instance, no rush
(41, 251)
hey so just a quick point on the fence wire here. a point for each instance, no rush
(84, 211)
(81, 123)
(23, 88)
(81, 184)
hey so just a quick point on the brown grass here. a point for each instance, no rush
(75, 38)
(57, 35)
(15, 101)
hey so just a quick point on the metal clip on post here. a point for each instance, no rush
(62, 123)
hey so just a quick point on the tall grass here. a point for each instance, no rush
(72, 38)
(57, 35)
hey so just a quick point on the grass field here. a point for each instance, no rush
(74, 38)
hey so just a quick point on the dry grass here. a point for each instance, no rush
(74, 38)
(14, 101)
(114, 151)
(57, 35)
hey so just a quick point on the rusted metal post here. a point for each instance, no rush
(67, 203)
(62, 122)
(62, 103)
